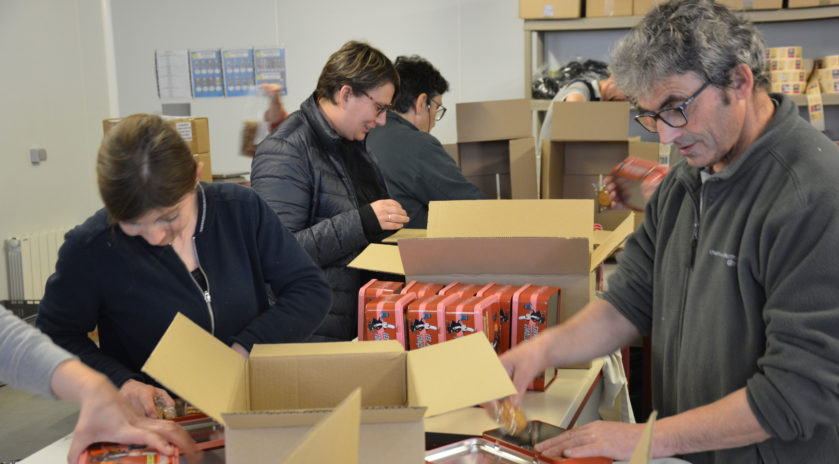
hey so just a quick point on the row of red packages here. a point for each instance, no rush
(420, 314)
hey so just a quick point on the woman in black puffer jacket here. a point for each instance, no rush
(315, 172)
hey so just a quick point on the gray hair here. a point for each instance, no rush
(682, 36)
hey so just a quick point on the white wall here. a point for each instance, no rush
(53, 96)
(56, 95)
(476, 44)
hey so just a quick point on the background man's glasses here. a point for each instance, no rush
(673, 116)
(439, 112)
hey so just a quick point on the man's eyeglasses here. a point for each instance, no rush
(439, 112)
(673, 116)
(379, 107)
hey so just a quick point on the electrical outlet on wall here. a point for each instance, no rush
(36, 155)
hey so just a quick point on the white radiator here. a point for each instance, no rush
(31, 260)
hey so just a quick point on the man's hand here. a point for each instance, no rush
(144, 397)
(390, 214)
(524, 363)
(615, 440)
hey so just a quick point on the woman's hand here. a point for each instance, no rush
(390, 214)
(145, 398)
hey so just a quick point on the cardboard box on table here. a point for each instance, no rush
(587, 140)
(496, 149)
(509, 242)
(269, 402)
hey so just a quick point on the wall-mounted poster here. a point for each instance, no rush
(269, 66)
(238, 72)
(206, 73)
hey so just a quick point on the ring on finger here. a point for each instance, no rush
(388, 218)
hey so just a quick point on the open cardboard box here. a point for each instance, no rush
(495, 148)
(269, 402)
(513, 242)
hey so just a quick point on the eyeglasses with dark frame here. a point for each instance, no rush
(379, 107)
(439, 112)
(673, 116)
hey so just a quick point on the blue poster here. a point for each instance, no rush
(238, 72)
(205, 66)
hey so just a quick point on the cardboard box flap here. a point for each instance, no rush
(380, 258)
(310, 349)
(613, 241)
(309, 417)
(322, 379)
(643, 451)
(456, 374)
(198, 367)
(510, 218)
(405, 233)
(495, 256)
(493, 120)
(340, 430)
(590, 121)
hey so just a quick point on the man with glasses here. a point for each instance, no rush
(733, 272)
(316, 174)
(415, 165)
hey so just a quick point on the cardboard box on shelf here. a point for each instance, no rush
(496, 148)
(740, 5)
(788, 88)
(195, 131)
(607, 8)
(207, 170)
(509, 242)
(641, 7)
(773, 53)
(831, 61)
(786, 64)
(810, 3)
(787, 76)
(550, 9)
(269, 402)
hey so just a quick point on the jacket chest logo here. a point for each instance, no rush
(730, 260)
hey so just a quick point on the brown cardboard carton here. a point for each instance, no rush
(269, 402)
(510, 242)
(384, 317)
(426, 319)
(370, 291)
(504, 293)
(641, 7)
(606, 8)
(496, 149)
(550, 9)
(535, 309)
(810, 3)
(740, 5)
(207, 170)
(195, 131)
(590, 121)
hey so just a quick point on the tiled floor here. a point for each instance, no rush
(28, 423)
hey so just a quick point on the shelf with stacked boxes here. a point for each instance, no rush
(535, 30)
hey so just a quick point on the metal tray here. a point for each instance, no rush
(476, 451)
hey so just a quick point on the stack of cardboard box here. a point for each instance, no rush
(196, 134)
(827, 70)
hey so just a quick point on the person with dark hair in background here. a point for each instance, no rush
(733, 272)
(316, 174)
(30, 361)
(166, 243)
(416, 167)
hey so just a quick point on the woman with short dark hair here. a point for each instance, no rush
(166, 243)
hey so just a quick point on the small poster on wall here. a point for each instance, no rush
(172, 68)
(206, 73)
(269, 66)
(238, 72)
